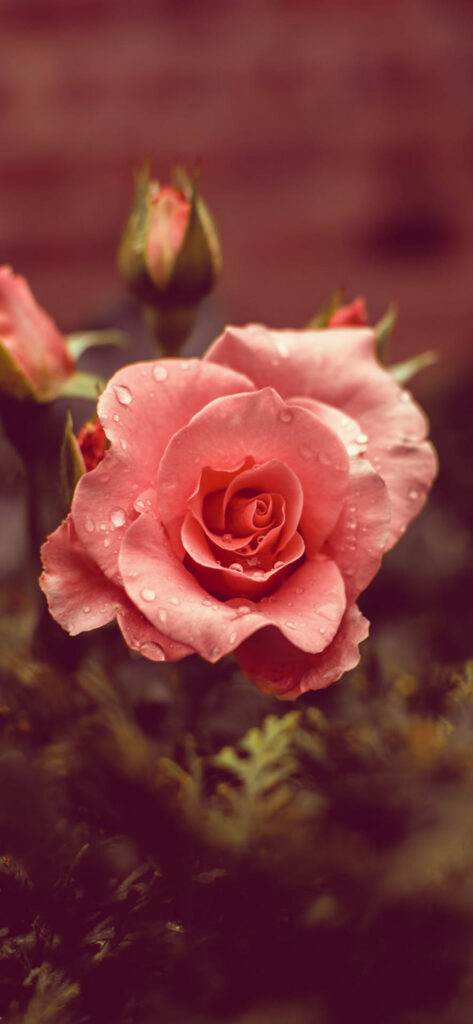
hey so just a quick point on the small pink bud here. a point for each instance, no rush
(353, 314)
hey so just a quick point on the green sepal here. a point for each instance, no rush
(383, 331)
(72, 465)
(12, 381)
(79, 342)
(198, 261)
(82, 385)
(322, 318)
(404, 372)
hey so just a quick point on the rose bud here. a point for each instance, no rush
(169, 255)
(92, 443)
(34, 359)
(353, 314)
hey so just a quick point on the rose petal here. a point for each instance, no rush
(359, 539)
(227, 581)
(339, 367)
(142, 406)
(263, 426)
(79, 596)
(171, 598)
(279, 668)
(142, 636)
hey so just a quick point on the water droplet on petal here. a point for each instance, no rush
(123, 394)
(185, 364)
(123, 444)
(116, 417)
(226, 537)
(86, 609)
(232, 637)
(236, 567)
(118, 517)
(162, 614)
(159, 372)
(322, 629)
(362, 439)
(152, 650)
(106, 542)
(404, 396)
(282, 348)
(147, 594)
(207, 602)
(413, 494)
(215, 652)
(286, 416)
(291, 625)
(89, 525)
(174, 600)
(278, 565)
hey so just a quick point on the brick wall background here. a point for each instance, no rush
(336, 142)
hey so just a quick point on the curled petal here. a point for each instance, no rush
(279, 668)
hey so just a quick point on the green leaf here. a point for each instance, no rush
(403, 372)
(82, 385)
(72, 465)
(321, 319)
(383, 331)
(81, 341)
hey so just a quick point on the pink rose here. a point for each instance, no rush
(34, 360)
(244, 503)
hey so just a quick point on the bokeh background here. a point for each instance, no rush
(335, 140)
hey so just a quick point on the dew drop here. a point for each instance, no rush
(162, 614)
(116, 418)
(243, 609)
(185, 364)
(282, 348)
(404, 396)
(232, 638)
(159, 372)
(89, 525)
(236, 567)
(123, 444)
(152, 650)
(226, 537)
(413, 494)
(174, 600)
(106, 542)
(207, 603)
(215, 652)
(290, 625)
(322, 630)
(123, 394)
(278, 565)
(362, 439)
(285, 416)
(103, 526)
(147, 594)
(86, 609)
(118, 517)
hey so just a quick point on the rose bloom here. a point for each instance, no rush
(244, 503)
(34, 360)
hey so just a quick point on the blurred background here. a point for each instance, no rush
(335, 140)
